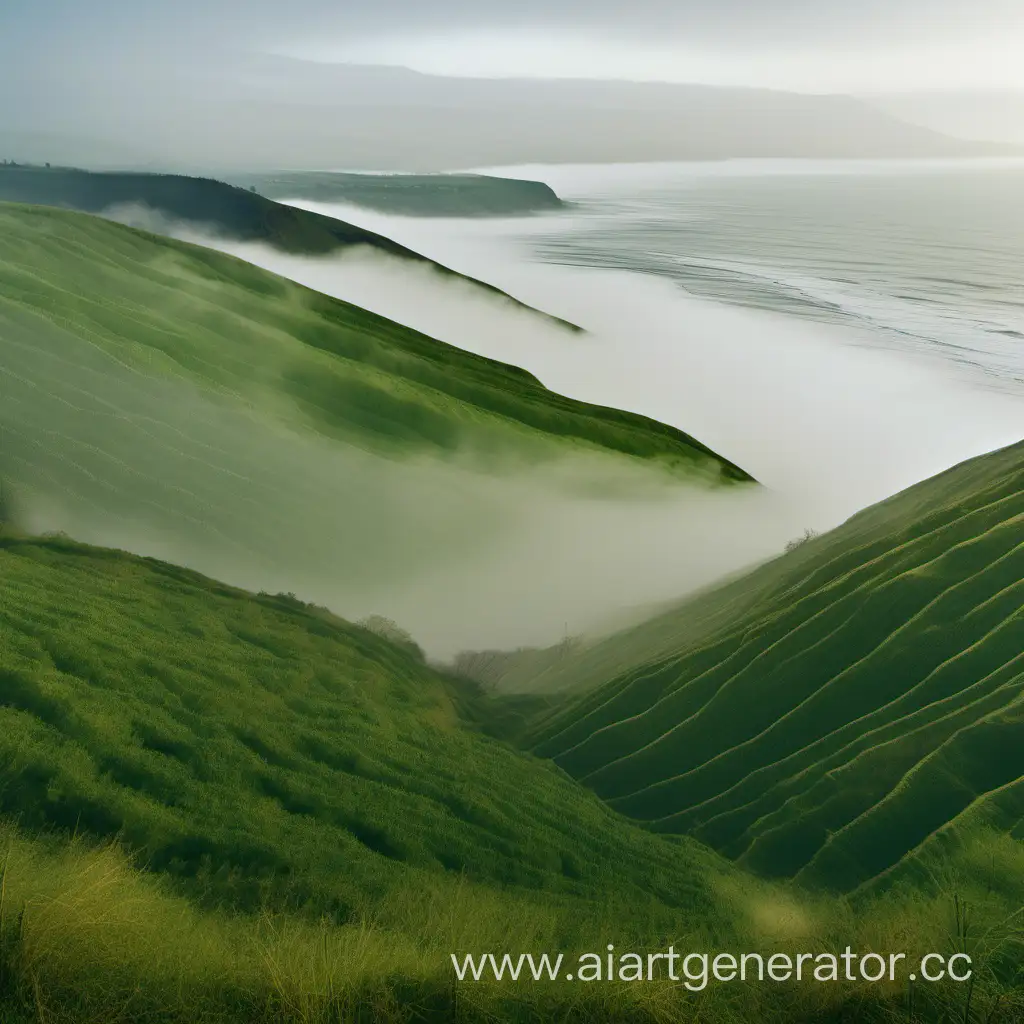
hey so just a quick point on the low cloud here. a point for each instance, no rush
(470, 559)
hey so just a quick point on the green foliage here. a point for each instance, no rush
(393, 632)
(797, 541)
(264, 753)
(856, 716)
(309, 820)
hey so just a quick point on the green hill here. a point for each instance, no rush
(190, 313)
(155, 389)
(231, 212)
(847, 715)
(319, 821)
(309, 821)
(265, 752)
(416, 195)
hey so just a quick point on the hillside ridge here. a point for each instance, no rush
(232, 211)
(860, 710)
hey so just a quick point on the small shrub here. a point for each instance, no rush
(809, 534)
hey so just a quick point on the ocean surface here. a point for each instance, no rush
(925, 256)
(841, 330)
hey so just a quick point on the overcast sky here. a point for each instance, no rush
(812, 45)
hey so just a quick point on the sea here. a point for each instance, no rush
(841, 329)
(925, 256)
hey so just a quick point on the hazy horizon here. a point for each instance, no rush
(790, 44)
(254, 85)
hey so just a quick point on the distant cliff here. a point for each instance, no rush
(416, 195)
(204, 205)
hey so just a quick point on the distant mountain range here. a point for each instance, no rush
(997, 115)
(268, 113)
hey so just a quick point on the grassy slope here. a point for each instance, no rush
(314, 825)
(846, 715)
(180, 311)
(261, 757)
(264, 751)
(425, 195)
(585, 664)
(232, 212)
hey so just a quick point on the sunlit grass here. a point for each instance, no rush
(87, 938)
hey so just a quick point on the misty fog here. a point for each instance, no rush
(819, 414)
(462, 557)
(823, 418)
(826, 420)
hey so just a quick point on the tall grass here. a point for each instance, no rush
(89, 939)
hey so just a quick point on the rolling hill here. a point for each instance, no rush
(847, 716)
(266, 753)
(193, 314)
(205, 205)
(218, 806)
(260, 757)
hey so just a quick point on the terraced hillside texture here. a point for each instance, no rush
(234, 212)
(858, 722)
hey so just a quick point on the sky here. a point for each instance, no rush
(862, 46)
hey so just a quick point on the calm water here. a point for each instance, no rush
(928, 257)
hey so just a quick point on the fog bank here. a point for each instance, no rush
(820, 414)
(827, 423)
